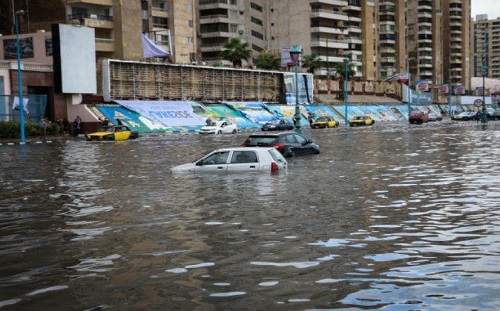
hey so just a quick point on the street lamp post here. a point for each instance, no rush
(19, 77)
(346, 91)
(295, 52)
(484, 71)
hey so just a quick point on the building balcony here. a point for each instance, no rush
(219, 34)
(216, 47)
(352, 8)
(158, 13)
(388, 50)
(354, 19)
(329, 30)
(329, 43)
(217, 4)
(353, 29)
(96, 2)
(216, 19)
(332, 59)
(104, 45)
(353, 40)
(331, 2)
(93, 20)
(334, 15)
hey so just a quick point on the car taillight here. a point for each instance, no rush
(279, 146)
(274, 167)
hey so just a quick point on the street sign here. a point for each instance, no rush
(478, 102)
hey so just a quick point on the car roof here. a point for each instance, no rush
(243, 149)
(271, 134)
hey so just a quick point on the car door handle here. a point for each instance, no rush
(252, 166)
(220, 167)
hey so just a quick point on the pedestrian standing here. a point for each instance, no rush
(44, 123)
(60, 125)
(66, 126)
(78, 125)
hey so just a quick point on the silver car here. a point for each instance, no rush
(237, 159)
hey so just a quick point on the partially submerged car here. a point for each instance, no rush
(237, 159)
(324, 122)
(288, 143)
(465, 116)
(361, 121)
(112, 132)
(277, 125)
(418, 117)
(219, 127)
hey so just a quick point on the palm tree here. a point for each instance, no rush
(267, 61)
(311, 62)
(236, 51)
(340, 73)
(340, 70)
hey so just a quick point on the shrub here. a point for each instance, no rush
(11, 130)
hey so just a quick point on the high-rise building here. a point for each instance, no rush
(485, 50)
(428, 38)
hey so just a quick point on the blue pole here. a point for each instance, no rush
(449, 100)
(297, 107)
(20, 82)
(409, 92)
(346, 90)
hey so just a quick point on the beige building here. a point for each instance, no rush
(485, 49)
(118, 24)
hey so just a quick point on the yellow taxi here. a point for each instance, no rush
(361, 121)
(112, 132)
(323, 122)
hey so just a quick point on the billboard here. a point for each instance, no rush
(74, 59)
(305, 88)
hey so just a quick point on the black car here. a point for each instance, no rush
(278, 125)
(288, 143)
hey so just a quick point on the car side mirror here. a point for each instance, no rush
(199, 163)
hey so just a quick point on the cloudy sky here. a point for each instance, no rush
(490, 7)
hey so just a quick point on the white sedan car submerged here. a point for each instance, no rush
(237, 159)
(219, 127)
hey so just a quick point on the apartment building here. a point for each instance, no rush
(223, 20)
(485, 50)
(428, 38)
(118, 24)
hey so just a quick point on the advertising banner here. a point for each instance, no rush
(305, 88)
(444, 89)
(422, 85)
(459, 90)
(169, 113)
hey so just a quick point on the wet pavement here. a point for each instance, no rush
(391, 217)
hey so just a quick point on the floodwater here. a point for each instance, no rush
(390, 217)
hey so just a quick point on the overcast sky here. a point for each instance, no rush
(490, 7)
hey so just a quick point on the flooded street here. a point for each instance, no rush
(391, 217)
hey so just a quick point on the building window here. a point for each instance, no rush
(256, 21)
(257, 34)
(256, 7)
(190, 23)
(189, 40)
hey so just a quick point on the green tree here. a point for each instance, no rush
(340, 69)
(236, 51)
(267, 61)
(311, 62)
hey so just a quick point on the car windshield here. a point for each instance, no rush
(261, 140)
(322, 119)
(358, 118)
(106, 129)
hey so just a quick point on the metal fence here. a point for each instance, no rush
(33, 112)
